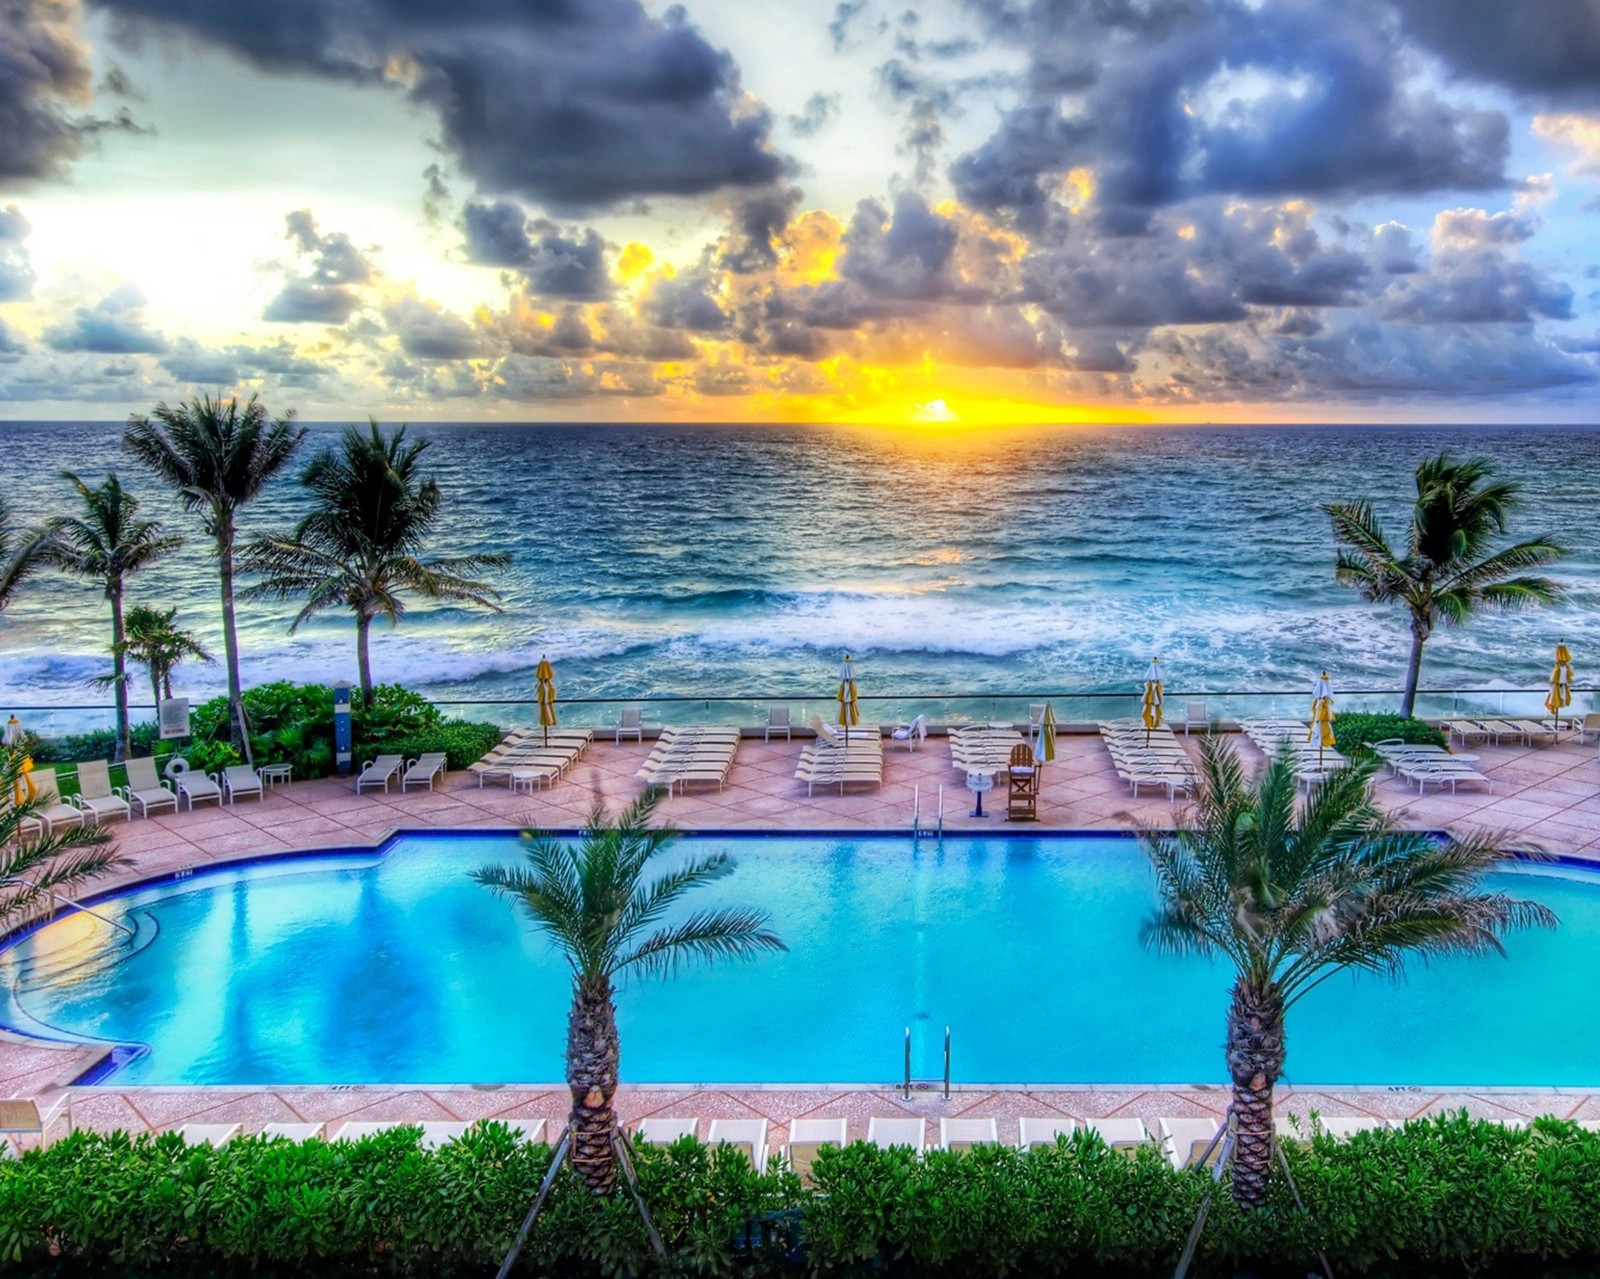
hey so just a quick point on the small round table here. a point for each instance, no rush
(977, 783)
(272, 774)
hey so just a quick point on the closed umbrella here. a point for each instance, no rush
(1321, 715)
(26, 789)
(546, 676)
(1044, 749)
(13, 732)
(1560, 685)
(1152, 699)
(849, 711)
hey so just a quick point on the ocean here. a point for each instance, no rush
(733, 560)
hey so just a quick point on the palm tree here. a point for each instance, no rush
(21, 554)
(158, 644)
(106, 543)
(361, 546)
(590, 898)
(1291, 898)
(33, 868)
(217, 458)
(1448, 570)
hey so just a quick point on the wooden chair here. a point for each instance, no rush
(1022, 797)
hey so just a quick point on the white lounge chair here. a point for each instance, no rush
(208, 1134)
(354, 1131)
(899, 1131)
(778, 722)
(424, 770)
(1190, 1141)
(144, 788)
(631, 724)
(807, 1137)
(661, 1130)
(50, 809)
(95, 795)
(1120, 1134)
(241, 779)
(1043, 1130)
(912, 734)
(296, 1132)
(746, 1135)
(964, 1134)
(379, 772)
(440, 1132)
(192, 784)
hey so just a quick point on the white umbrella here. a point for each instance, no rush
(13, 735)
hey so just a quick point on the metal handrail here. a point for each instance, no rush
(67, 901)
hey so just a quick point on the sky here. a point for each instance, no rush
(956, 211)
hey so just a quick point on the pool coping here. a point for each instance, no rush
(94, 1071)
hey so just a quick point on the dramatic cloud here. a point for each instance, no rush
(44, 71)
(326, 294)
(16, 272)
(227, 366)
(576, 104)
(553, 262)
(429, 332)
(11, 343)
(113, 326)
(1548, 49)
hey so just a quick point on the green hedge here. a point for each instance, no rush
(1447, 1196)
(1361, 728)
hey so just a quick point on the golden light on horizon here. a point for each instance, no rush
(934, 411)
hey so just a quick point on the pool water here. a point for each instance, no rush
(397, 968)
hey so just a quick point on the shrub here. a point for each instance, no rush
(1358, 729)
(463, 741)
(143, 739)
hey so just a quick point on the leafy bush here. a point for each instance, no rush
(1357, 729)
(143, 739)
(463, 741)
(1442, 1196)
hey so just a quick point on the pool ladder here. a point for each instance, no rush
(926, 1085)
(918, 830)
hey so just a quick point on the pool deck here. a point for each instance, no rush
(1545, 798)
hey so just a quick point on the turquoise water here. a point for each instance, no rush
(398, 969)
(709, 560)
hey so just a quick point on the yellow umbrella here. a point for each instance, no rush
(849, 712)
(1322, 714)
(546, 676)
(26, 789)
(1152, 698)
(1044, 750)
(1560, 685)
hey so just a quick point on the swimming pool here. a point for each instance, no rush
(395, 967)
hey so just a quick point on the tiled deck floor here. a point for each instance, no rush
(1544, 797)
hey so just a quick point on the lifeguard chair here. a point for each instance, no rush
(1022, 796)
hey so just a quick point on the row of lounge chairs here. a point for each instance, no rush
(98, 800)
(696, 754)
(840, 757)
(379, 771)
(984, 748)
(533, 755)
(1526, 731)
(1313, 761)
(1148, 756)
(1423, 764)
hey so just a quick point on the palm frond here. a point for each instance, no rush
(709, 935)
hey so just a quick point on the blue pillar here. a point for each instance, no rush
(342, 756)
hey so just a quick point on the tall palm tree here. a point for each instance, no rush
(105, 544)
(591, 899)
(361, 545)
(35, 866)
(217, 457)
(21, 553)
(1448, 570)
(1292, 897)
(159, 644)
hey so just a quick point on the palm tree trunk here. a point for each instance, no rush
(119, 658)
(1255, 1060)
(592, 1059)
(1419, 637)
(230, 644)
(363, 660)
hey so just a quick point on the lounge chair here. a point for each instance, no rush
(1043, 1130)
(21, 1117)
(355, 1131)
(208, 1134)
(1452, 774)
(193, 785)
(95, 795)
(296, 1132)
(424, 770)
(1345, 1127)
(1466, 730)
(49, 807)
(1588, 726)
(807, 1137)
(899, 1131)
(1120, 1134)
(379, 772)
(913, 733)
(631, 724)
(144, 787)
(441, 1132)
(778, 722)
(241, 779)
(964, 1134)
(661, 1130)
(1190, 1142)
(1194, 716)
(748, 1136)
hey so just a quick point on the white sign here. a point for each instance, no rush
(174, 717)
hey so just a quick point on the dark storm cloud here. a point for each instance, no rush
(326, 294)
(553, 262)
(902, 256)
(16, 271)
(428, 332)
(758, 223)
(576, 104)
(1183, 99)
(302, 302)
(44, 70)
(1476, 286)
(1548, 49)
(684, 302)
(113, 326)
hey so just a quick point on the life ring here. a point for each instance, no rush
(176, 766)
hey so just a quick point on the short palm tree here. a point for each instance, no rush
(159, 644)
(21, 554)
(34, 866)
(1448, 570)
(105, 544)
(590, 897)
(361, 545)
(1290, 897)
(217, 458)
